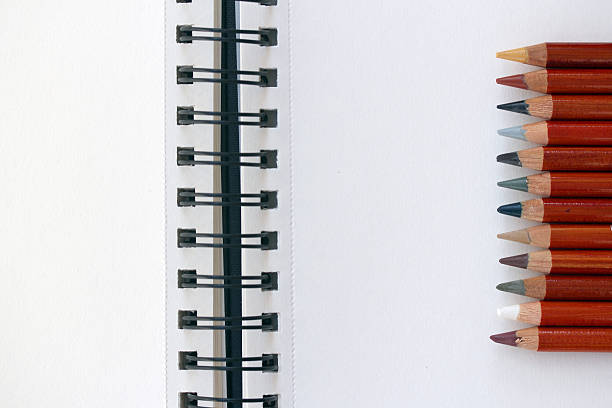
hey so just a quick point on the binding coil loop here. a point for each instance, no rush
(267, 36)
(186, 156)
(190, 400)
(267, 77)
(187, 238)
(261, 2)
(188, 197)
(266, 118)
(189, 360)
(188, 320)
(189, 278)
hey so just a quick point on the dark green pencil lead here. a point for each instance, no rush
(510, 158)
(519, 184)
(518, 107)
(514, 209)
(517, 287)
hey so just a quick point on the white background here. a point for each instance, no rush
(394, 187)
(81, 146)
(394, 124)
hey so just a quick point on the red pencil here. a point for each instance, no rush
(562, 55)
(564, 132)
(563, 261)
(562, 81)
(564, 107)
(570, 210)
(556, 158)
(554, 313)
(588, 339)
(563, 287)
(563, 236)
(562, 184)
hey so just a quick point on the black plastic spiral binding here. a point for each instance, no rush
(231, 200)
(185, 156)
(267, 77)
(190, 400)
(188, 279)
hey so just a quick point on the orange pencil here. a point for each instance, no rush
(562, 184)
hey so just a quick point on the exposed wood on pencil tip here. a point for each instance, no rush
(517, 55)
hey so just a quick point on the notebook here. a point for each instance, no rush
(380, 256)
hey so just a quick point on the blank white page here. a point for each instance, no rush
(82, 294)
(394, 119)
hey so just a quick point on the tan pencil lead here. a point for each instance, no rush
(517, 54)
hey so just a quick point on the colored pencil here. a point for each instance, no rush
(554, 313)
(593, 339)
(560, 184)
(570, 210)
(563, 236)
(559, 261)
(562, 55)
(564, 132)
(564, 107)
(562, 81)
(561, 158)
(564, 287)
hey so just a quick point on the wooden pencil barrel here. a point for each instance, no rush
(586, 210)
(575, 339)
(579, 81)
(577, 107)
(555, 313)
(581, 236)
(577, 158)
(576, 133)
(578, 55)
(581, 262)
(591, 288)
(580, 184)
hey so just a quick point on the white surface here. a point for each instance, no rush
(81, 303)
(394, 125)
(509, 312)
(199, 54)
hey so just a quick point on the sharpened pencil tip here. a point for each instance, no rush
(517, 287)
(516, 81)
(521, 236)
(509, 312)
(508, 338)
(519, 184)
(510, 158)
(517, 54)
(515, 132)
(514, 209)
(517, 107)
(518, 261)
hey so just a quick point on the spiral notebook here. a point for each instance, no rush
(361, 177)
